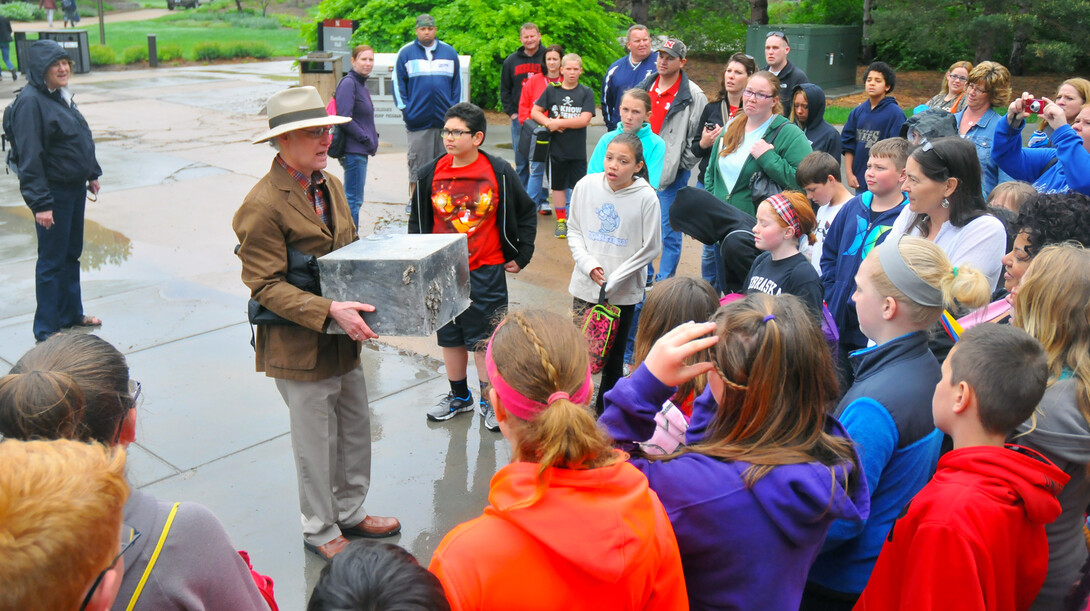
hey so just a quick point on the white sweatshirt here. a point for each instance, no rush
(618, 231)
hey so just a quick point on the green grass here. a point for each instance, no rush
(187, 34)
(836, 115)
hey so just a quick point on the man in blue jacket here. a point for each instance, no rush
(429, 81)
(626, 73)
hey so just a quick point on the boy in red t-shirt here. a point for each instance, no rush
(468, 191)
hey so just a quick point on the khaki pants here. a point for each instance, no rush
(331, 440)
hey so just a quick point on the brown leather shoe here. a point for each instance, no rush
(374, 527)
(330, 549)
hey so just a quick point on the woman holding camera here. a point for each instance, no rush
(1061, 169)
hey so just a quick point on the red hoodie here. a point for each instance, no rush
(597, 539)
(973, 537)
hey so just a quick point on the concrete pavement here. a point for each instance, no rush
(158, 268)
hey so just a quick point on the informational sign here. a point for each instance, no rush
(335, 36)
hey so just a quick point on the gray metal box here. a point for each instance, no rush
(417, 283)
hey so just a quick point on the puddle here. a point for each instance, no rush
(101, 246)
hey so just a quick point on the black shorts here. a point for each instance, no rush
(564, 173)
(488, 305)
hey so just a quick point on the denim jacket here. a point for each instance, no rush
(982, 135)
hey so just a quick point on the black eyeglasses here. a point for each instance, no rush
(134, 400)
(454, 133)
(129, 535)
(930, 146)
(776, 33)
(958, 77)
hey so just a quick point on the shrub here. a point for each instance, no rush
(134, 54)
(170, 52)
(487, 30)
(205, 51)
(258, 50)
(22, 11)
(101, 55)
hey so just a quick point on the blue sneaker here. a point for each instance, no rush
(489, 415)
(450, 407)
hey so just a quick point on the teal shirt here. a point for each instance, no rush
(654, 151)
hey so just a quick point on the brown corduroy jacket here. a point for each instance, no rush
(276, 214)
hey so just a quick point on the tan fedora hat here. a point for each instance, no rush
(297, 108)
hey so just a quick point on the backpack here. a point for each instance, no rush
(8, 136)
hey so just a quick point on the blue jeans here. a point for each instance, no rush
(355, 175)
(535, 187)
(522, 164)
(5, 50)
(56, 278)
(671, 239)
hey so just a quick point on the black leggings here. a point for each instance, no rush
(614, 368)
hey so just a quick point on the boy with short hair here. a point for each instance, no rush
(861, 225)
(469, 191)
(877, 118)
(819, 175)
(566, 111)
(974, 536)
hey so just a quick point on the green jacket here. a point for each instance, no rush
(789, 147)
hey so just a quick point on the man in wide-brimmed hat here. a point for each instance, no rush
(299, 206)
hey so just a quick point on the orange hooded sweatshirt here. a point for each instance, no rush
(597, 539)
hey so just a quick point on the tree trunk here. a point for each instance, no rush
(1022, 27)
(238, 3)
(867, 50)
(758, 12)
(640, 11)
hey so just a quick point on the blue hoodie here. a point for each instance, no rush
(1030, 164)
(741, 548)
(425, 87)
(654, 151)
(887, 411)
(855, 231)
(864, 127)
(822, 136)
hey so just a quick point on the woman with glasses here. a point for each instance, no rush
(952, 94)
(77, 387)
(989, 85)
(759, 139)
(1061, 169)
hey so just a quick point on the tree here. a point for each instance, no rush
(488, 31)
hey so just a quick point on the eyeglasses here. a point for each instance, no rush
(129, 535)
(776, 33)
(134, 400)
(454, 133)
(318, 132)
(749, 93)
(958, 77)
(978, 89)
(930, 146)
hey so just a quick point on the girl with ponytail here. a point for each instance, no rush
(766, 469)
(570, 524)
(901, 289)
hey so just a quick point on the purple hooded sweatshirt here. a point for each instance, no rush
(740, 548)
(354, 100)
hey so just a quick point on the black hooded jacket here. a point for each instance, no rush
(52, 138)
(822, 136)
(699, 214)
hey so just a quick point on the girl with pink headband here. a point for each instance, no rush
(782, 221)
(570, 523)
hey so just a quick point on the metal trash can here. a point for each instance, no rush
(321, 71)
(74, 42)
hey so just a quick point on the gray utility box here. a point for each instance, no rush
(828, 54)
(417, 283)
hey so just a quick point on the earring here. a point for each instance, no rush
(945, 203)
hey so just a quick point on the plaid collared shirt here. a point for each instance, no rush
(312, 185)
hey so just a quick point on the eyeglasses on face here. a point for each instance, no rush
(129, 535)
(977, 89)
(454, 133)
(958, 77)
(318, 132)
(749, 93)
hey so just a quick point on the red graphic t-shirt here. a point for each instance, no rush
(464, 200)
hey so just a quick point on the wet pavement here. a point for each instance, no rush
(158, 268)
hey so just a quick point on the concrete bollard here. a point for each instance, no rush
(417, 283)
(153, 53)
